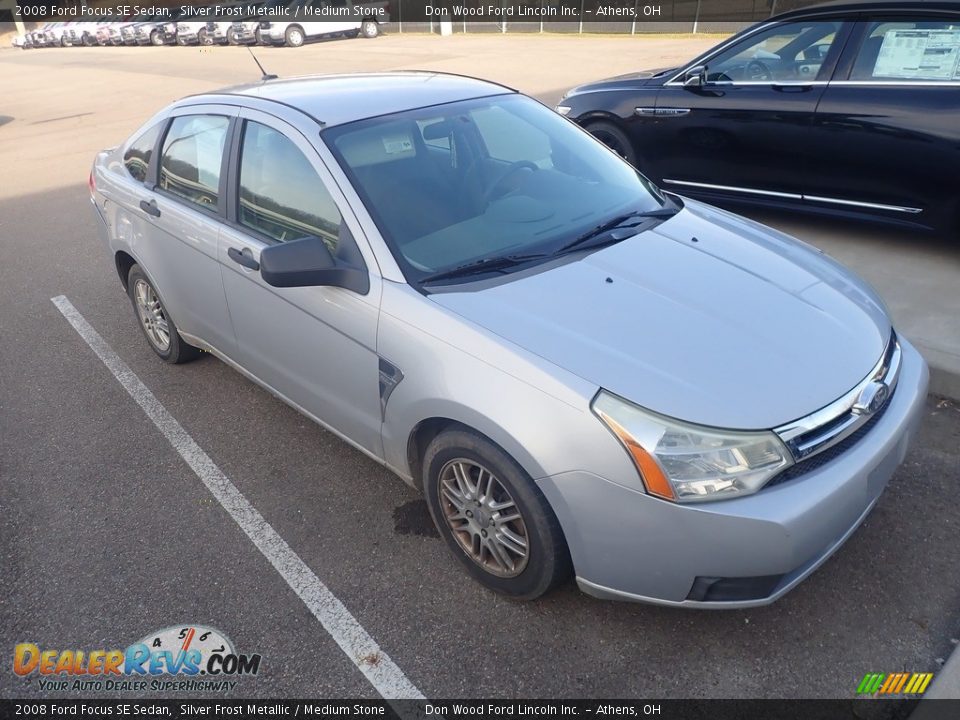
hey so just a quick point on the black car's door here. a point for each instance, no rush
(743, 128)
(887, 130)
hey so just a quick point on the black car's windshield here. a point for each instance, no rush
(454, 184)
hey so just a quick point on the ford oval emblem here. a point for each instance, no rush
(871, 398)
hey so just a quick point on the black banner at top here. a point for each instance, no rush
(418, 11)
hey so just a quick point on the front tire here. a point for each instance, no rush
(204, 38)
(369, 28)
(493, 517)
(156, 38)
(294, 36)
(614, 138)
(155, 323)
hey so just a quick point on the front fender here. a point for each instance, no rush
(538, 413)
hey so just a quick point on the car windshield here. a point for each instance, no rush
(459, 184)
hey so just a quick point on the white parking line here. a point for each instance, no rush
(374, 663)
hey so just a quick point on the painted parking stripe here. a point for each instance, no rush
(363, 651)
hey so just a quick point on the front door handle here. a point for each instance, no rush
(243, 258)
(150, 207)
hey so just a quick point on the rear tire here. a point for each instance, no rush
(155, 323)
(204, 38)
(614, 138)
(294, 36)
(156, 38)
(493, 517)
(369, 29)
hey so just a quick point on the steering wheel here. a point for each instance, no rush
(489, 194)
(757, 70)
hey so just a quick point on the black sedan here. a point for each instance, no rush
(848, 108)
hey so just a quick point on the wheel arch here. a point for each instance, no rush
(423, 433)
(592, 116)
(124, 261)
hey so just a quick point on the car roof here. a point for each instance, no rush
(339, 99)
(855, 6)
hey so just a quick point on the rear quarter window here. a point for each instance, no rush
(137, 157)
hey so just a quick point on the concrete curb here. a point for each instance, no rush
(943, 380)
(946, 686)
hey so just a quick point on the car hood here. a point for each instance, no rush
(707, 317)
(627, 81)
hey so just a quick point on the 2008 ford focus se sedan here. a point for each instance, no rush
(582, 374)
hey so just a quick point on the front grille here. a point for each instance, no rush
(822, 458)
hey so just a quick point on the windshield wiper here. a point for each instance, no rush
(592, 238)
(487, 264)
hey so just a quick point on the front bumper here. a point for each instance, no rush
(627, 545)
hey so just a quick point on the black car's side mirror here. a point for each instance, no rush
(695, 77)
(308, 263)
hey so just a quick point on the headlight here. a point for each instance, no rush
(689, 463)
(563, 110)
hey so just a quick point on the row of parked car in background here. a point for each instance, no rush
(170, 27)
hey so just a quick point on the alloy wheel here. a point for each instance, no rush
(151, 315)
(484, 518)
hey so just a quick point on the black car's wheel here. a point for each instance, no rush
(88, 41)
(233, 38)
(614, 138)
(493, 517)
(204, 37)
(369, 28)
(156, 38)
(294, 36)
(156, 324)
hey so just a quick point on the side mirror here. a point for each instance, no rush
(308, 263)
(695, 77)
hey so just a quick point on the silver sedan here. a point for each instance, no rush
(583, 374)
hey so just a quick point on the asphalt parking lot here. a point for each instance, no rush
(106, 533)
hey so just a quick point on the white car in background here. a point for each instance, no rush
(206, 31)
(54, 33)
(295, 34)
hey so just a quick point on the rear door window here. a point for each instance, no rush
(909, 51)
(192, 157)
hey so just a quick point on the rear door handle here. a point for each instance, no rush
(793, 87)
(243, 258)
(150, 207)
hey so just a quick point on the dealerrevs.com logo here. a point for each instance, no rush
(182, 657)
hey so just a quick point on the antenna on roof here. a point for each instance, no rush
(266, 75)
